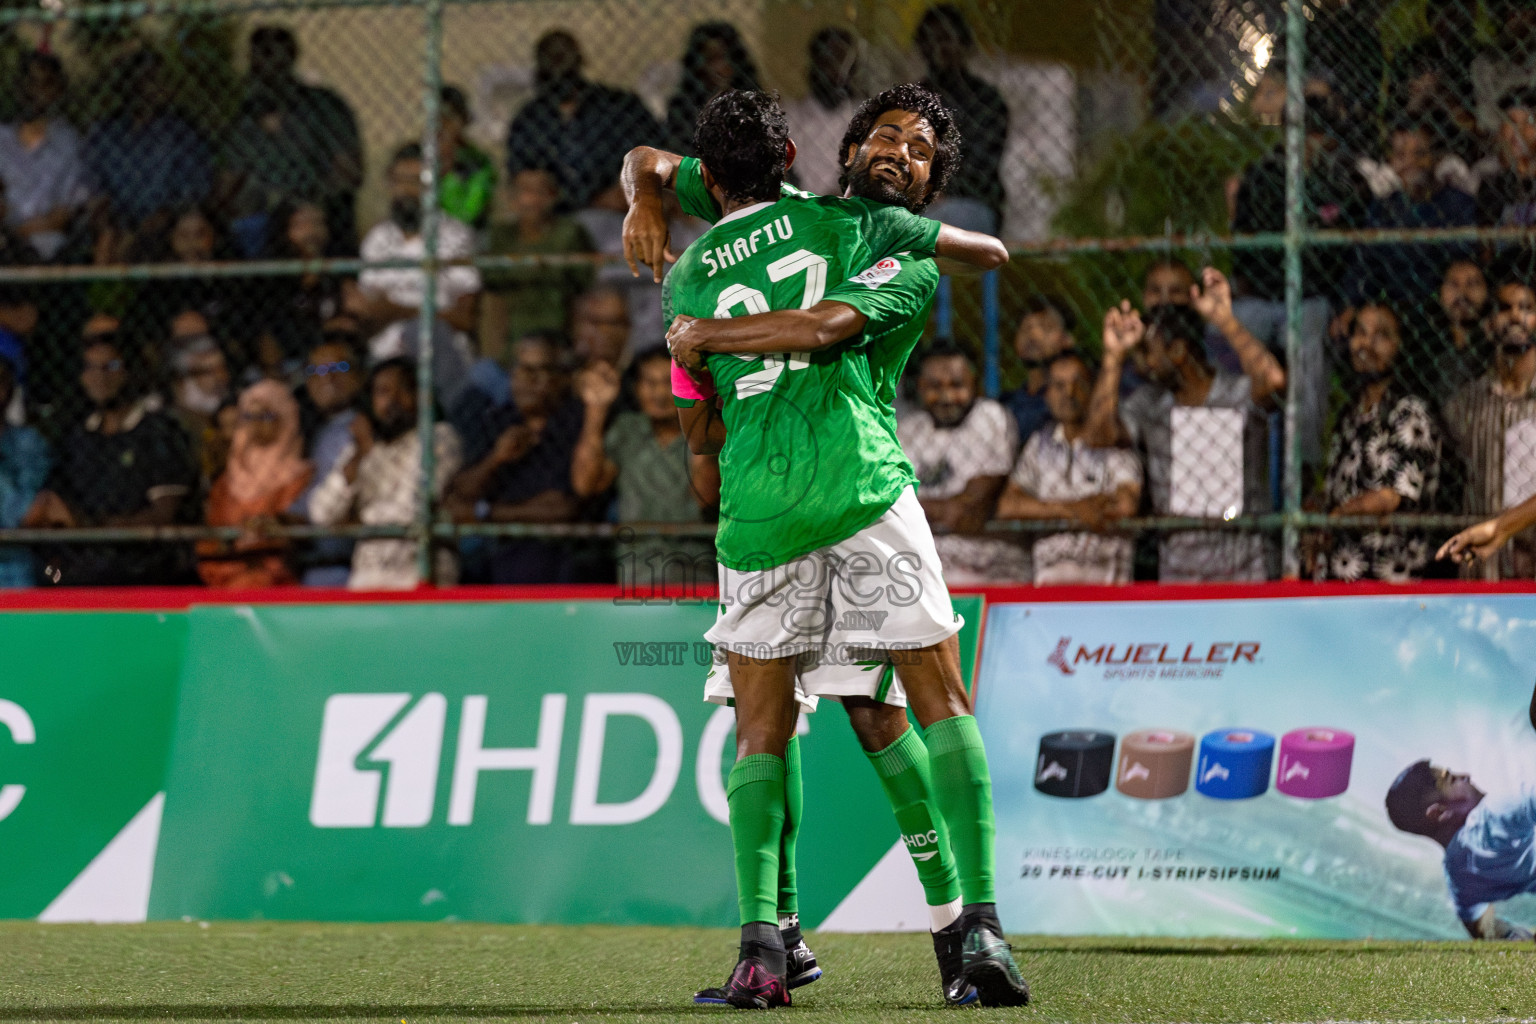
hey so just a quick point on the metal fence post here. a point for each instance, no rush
(1295, 221)
(432, 82)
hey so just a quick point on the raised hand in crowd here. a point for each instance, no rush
(362, 444)
(597, 384)
(1214, 304)
(1213, 301)
(1123, 329)
(516, 441)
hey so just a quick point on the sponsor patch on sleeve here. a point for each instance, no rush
(878, 274)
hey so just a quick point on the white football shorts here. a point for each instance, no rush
(848, 611)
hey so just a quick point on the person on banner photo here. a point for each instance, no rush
(1490, 844)
(741, 137)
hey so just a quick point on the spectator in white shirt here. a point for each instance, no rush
(961, 447)
(1201, 431)
(377, 480)
(388, 301)
(1060, 476)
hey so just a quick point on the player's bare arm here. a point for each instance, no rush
(648, 173)
(959, 251)
(785, 330)
(703, 427)
(1486, 538)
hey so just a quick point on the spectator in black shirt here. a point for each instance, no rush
(714, 60)
(973, 198)
(1403, 273)
(1045, 332)
(1444, 346)
(18, 302)
(196, 236)
(575, 128)
(1335, 197)
(1508, 199)
(298, 307)
(314, 134)
(526, 477)
(126, 465)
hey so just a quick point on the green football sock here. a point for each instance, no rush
(755, 795)
(904, 774)
(794, 804)
(962, 788)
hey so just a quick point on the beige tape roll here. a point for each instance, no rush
(1154, 763)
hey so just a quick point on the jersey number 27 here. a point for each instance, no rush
(801, 261)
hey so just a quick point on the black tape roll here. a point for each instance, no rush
(1075, 763)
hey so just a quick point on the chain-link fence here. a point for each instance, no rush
(235, 301)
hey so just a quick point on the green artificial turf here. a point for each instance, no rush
(452, 972)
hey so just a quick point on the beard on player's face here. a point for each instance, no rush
(863, 182)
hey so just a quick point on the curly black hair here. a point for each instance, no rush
(928, 105)
(740, 136)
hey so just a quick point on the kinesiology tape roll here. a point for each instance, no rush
(1075, 763)
(1314, 763)
(1154, 763)
(1234, 763)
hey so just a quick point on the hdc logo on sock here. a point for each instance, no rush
(923, 845)
(381, 754)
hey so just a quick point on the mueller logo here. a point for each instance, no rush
(1152, 658)
(381, 754)
(19, 724)
(1058, 657)
(1050, 771)
(1296, 769)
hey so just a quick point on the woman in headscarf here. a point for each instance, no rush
(266, 471)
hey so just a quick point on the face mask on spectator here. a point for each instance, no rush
(193, 396)
(405, 211)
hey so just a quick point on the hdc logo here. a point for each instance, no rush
(19, 724)
(918, 843)
(383, 744)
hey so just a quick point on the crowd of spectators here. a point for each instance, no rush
(249, 403)
(1414, 380)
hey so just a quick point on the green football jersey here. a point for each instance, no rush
(810, 459)
(896, 295)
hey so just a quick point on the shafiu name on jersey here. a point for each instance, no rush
(742, 249)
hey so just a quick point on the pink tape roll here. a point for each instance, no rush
(1315, 762)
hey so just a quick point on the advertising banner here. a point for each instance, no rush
(86, 705)
(516, 761)
(1222, 767)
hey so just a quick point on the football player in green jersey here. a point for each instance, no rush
(895, 152)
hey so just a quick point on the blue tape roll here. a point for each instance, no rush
(1234, 763)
